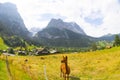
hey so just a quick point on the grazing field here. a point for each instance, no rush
(98, 65)
(3, 71)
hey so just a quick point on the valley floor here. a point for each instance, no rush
(98, 65)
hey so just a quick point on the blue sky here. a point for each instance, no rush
(95, 17)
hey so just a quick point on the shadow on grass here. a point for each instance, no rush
(74, 78)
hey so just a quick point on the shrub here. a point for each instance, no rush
(10, 50)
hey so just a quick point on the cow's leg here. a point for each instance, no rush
(64, 76)
(67, 77)
(60, 74)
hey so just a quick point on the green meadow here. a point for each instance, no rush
(2, 44)
(97, 65)
(3, 71)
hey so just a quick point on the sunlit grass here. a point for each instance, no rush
(3, 71)
(98, 65)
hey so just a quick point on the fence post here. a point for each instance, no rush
(45, 72)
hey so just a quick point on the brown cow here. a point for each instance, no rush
(65, 69)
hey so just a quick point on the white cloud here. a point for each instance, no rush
(37, 13)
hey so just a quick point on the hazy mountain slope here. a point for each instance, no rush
(108, 37)
(63, 34)
(11, 22)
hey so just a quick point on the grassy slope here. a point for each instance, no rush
(3, 71)
(99, 65)
(17, 73)
(2, 44)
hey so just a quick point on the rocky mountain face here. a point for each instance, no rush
(59, 33)
(11, 22)
(56, 28)
(59, 24)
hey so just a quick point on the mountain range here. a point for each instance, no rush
(60, 33)
(57, 33)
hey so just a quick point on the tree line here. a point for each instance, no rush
(104, 44)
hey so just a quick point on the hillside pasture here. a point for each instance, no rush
(98, 65)
(3, 71)
(2, 44)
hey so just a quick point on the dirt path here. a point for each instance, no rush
(8, 68)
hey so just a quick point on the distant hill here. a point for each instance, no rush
(11, 22)
(2, 44)
(108, 37)
(63, 34)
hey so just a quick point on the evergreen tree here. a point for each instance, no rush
(117, 41)
(23, 45)
(10, 50)
(94, 47)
